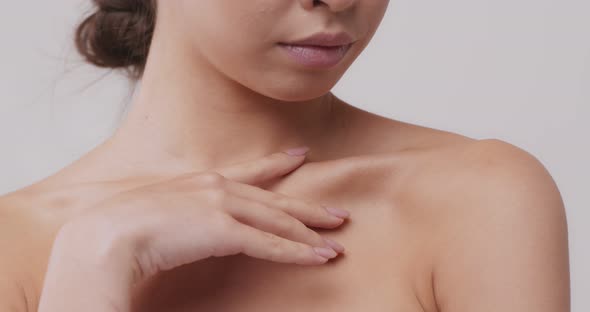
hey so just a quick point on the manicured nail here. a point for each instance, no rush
(340, 213)
(299, 151)
(334, 245)
(325, 252)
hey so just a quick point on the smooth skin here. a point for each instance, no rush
(438, 221)
(141, 232)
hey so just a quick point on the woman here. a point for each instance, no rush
(192, 206)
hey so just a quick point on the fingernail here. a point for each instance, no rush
(340, 213)
(325, 252)
(334, 245)
(299, 151)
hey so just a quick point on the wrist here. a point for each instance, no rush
(97, 245)
(88, 267)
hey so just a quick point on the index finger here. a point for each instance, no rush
(266, 168)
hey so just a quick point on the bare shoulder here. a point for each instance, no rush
(491, 212)
(499, 230)
(486, 170)
(24, 246)
(486, 161)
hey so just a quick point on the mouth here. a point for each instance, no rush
(316, 56)
(321, 50)
(325, 40)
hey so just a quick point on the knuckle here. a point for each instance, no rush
(281, 201)
(265, 207)
(211, 179)
(275, 246)
(287, 226)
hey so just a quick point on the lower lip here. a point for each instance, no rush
(316, 56)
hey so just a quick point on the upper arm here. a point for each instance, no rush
(15, 260)
(503, 246)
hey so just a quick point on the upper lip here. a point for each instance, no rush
(324, 39)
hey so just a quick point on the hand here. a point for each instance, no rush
(215, 213)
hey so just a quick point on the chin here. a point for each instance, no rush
(298, 88)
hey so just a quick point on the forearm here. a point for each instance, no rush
(87, 274)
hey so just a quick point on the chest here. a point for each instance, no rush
(377, 272)
(384, 268)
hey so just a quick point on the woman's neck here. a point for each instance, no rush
(188, 113)
(187, 116)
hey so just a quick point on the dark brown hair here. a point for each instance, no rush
(117, 34)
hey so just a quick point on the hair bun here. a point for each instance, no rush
(117, 34)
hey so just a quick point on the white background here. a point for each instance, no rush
(517, 70)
